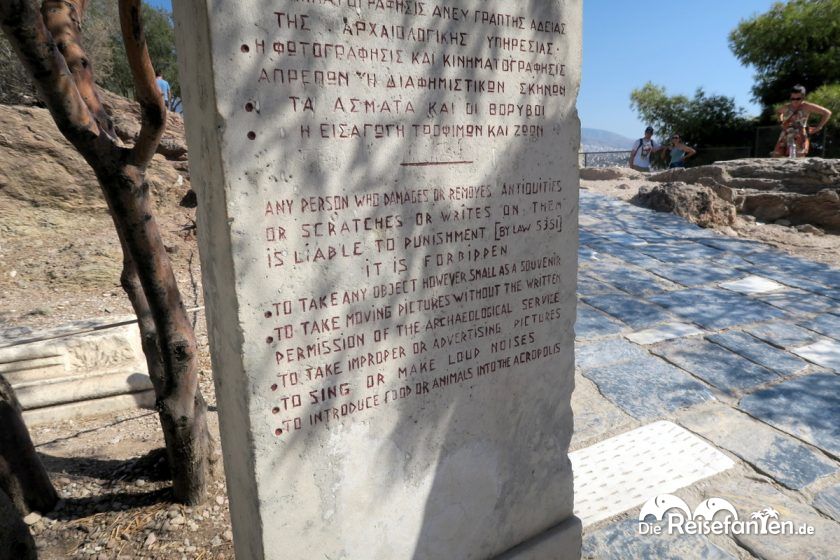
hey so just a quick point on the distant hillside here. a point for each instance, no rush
(596, 140)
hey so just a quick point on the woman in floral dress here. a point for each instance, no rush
(794, 140)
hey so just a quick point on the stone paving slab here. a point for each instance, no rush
(648, 234)
(828, 501)
(693, 275)
(824, 352)
(592, 323)
(594, 415)
(602, 263)
(733, 261)
(825, 275)
(588, 285)
(789, 431)
(635, 281)
(753, 285)
(631, 310)
(831, 293)
(798, 302)
(800, 282)
(827, 324)
(623, 238)
(739, 247)
(807, 407)
(641, 260)
(782, 334)
(586, 235)
(718, 366)
(716, 309)
(607, 352)
(760, 352)
(677, 252)
(668, 331)
(750, 496)
(680, 229)
(648, 388)
(782, 457)
(621, 541)
(788, 264)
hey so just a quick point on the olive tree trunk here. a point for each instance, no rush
(48, 44)
(22, 476)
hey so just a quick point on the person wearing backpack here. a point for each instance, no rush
(641, 151)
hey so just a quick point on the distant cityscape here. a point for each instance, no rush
(597, 140)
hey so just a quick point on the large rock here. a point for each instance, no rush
(766, 207)
(821, 209)
(126, 117)
(697, 204)
(40, 167)
(609, 173)
(801, 191)
(804, 176)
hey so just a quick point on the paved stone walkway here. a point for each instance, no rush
(734, 341)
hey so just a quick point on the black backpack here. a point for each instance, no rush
(642, 143)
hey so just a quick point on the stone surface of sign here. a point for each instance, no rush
(388, 234)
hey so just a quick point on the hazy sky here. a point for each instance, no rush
(681, 46)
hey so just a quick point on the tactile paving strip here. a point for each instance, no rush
(627, 470)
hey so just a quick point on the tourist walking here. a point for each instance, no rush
(163, 86)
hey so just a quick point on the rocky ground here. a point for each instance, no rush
(60, 261)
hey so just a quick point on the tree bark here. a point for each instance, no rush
(181, 407)
(22, 476)
(50, 48)
(15, 538)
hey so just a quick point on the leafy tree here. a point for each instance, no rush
(160, 37)
(829, 97)
(703, 120)
(15, 86)
(797, 42)
(100, 28)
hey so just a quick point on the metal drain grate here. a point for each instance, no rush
(625, 471)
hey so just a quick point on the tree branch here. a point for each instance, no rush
(152, 108)
(38, 52)
(63, 19)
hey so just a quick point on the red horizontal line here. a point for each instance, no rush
(428, 163)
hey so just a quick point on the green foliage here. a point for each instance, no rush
(100, 23)
(15, 86)
(160, 38)
(703, 120)
(102, 40)
(797, 42)
(829, 97)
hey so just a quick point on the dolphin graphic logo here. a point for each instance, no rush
(658, 506)
(709, 508)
